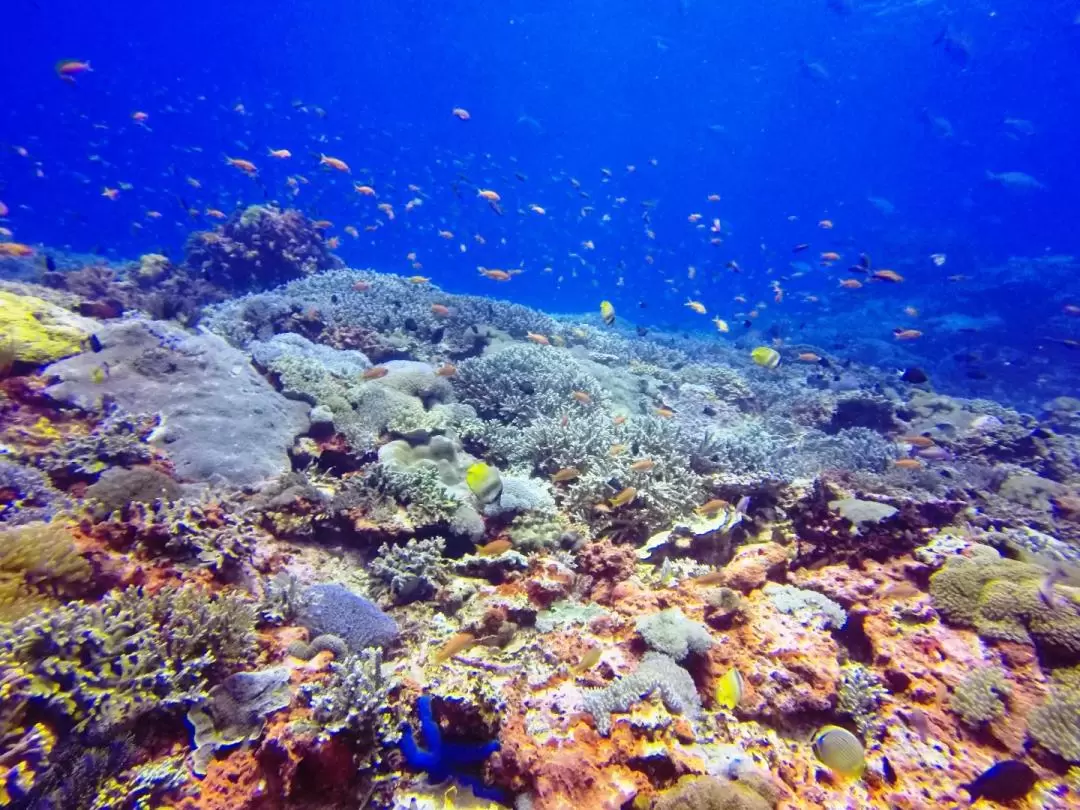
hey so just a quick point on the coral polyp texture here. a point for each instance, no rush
(361, 542)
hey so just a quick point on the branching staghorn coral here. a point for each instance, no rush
(520, 382)
(411, 571)
(98, 667)
(355, 698)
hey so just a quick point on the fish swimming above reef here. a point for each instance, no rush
(484, 482)
(730, 689)
(765, 357)
(1005, 781)
(607, 312)
(840, 750)
(1015, 181)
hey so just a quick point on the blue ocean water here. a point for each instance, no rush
(892, 120)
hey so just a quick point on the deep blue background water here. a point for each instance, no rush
(718, 95)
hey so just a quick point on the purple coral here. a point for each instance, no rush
(260, 247)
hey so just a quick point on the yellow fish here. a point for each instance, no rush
(840, 750)
(484, 481)
(607, 312)
(729, 689)
(765, 357)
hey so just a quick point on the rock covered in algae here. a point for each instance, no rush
(221, 419)
(36, 331)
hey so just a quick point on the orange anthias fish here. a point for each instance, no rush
(4, 210)
(643, 465)
(582, 397)
(375, 372)
(539, 339)
(461, 113)
(418, 279)
(458, 642)
(830, 256)
(906, 334)
(566, 474)
(494, 548)
(851, 283)
(246, 166)
(367, 191)
(68, 69)
(825, 224)
(809, 357)
(334, 163)
(908, 464)
(918, 441)
(495, 275)
(489, 195)
(280, 154)
(446, 370)
(887, 275)
(441, 310)
(15, 250)
(664, 413)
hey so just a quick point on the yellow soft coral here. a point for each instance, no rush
(38, 332)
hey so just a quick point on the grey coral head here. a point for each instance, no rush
(334, 609)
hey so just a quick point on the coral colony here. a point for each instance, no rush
(359, 542)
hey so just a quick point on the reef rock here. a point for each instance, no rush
(220, 419)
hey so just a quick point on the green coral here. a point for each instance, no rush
(1004, 601)
(978, 698)
(1056, 724)
(100, 666)
(38, 332)
(859, 695)
(38, 561)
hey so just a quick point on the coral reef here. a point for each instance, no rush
(604, 569)
(38, 562)
(1056, 723)
(411, 571)
(100, 666)
(257, 248)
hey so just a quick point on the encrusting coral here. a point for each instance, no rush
(38, 563)
(1056, 723)
(1003, 600)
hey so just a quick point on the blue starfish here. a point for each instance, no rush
(442, 760)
